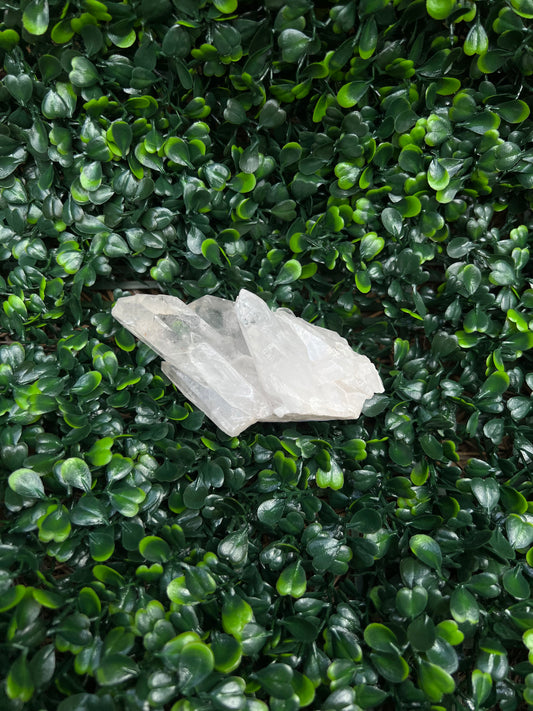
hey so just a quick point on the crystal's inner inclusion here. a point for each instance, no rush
(242, 363)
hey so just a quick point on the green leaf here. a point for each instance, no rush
(432, 447)
(36, 16)
(42, 665)
(371, 246)
(290, 153)
(519, 531)
(439, 129)
(226, 651)
(440, 9)
(495, 385)
(154, 549)
(463, 606)
(391, 667)
(486, 491)
(516, 584)
(9, 39)
(362, 281)
(196, 662)
(285, 210)
(115, 669)
(243, 182)
(289, 272)
(410, 602)
(411, 159)
(26, 483)
(217, 175)
(276, 680)
(368, 39)
(370, 696)
(470, 278)
(332, 478)
(434, 681)
(292, 580)
(177, 150)
(87, 383)
(75, 472)
(55, 524)
(350, 94)
(226, 6)
(427, 550)
(62, 32)
(303, 688)
(235, 112)
(380, 638)
(477, 41)
(108, 575)
(89, 602)
(211, 251)
(20, 87)
(19, 684)
(234, 548)
(83, 73)
(481, 686)
(392, 221)
(271, 115)
(121, 134)
(523, 8)
(236, 614)
(293, 44)
(48, 599)
(449, 631)
(11, 597)
(195, 494)
(514, 111)
(91, 176)
(59, 102)
(438, 177)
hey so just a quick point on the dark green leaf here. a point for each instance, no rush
(427, 550)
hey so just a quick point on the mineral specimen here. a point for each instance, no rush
(242, 363)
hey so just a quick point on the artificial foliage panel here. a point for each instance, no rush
(368, 164)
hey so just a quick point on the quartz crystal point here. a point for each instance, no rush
(243, 363)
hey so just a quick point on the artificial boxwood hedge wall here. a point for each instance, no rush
(368, 164)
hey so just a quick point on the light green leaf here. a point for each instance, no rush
(438, 177)
(476, 41)
(519, 531)
(26, 483)
(434, 681)
(392, 221)
(289, 272)
(226, 6)
(19, 684)
(292, 580)
(36, 16)
(236, 614)
(75, 472)
(83, 72)
(440, 9)
(350, 94)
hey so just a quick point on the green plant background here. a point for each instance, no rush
(368, 164)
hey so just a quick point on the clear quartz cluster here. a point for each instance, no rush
(242, 363)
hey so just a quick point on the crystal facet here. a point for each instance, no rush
(243, 363)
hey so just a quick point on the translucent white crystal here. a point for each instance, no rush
(243, 363)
